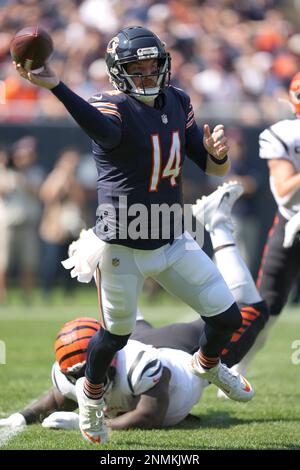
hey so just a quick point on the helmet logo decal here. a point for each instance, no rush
(112, 45)
(147, 52)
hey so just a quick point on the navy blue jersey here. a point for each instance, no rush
(139, 151)
(145, 164)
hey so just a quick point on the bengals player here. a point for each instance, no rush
(279, 145)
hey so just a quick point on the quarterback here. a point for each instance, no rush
(141, 133)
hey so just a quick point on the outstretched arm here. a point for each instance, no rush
(150, 410)
(51, 401)
(105, 131)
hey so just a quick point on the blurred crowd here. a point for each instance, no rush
(235, 58)
(41, 214)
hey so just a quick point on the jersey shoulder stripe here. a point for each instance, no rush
(112, 112)
(186, 105)
(156, 364)
(274, 142)
(274, 134)
(190, 117)
(131, 370)
(107, 104)
(144, 372)
(190, 122)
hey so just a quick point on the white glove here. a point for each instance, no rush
(14, 421)
(62, 420)
(85, 254)
(292, 227)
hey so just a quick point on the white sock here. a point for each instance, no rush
(232, 266)
(221, 235)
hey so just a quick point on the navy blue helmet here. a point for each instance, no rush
(133, 44)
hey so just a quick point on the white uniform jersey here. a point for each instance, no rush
(139, 368)
(282, 140)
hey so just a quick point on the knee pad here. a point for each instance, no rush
(228, 321)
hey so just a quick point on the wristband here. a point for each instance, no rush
(29, 415)
(217, 161)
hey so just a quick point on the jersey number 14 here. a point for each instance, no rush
(172, 168)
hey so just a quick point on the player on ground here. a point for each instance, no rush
(141, 133)
(280, 146)
(144, 386)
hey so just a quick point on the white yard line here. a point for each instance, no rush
(7, 433)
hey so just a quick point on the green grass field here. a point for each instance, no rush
(270, 421)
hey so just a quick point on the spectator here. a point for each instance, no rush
(63, 198)
(8, 183)
(26, 209)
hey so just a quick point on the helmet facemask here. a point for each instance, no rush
(142, 92)
(124, 81)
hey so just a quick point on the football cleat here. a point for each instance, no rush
(233, 385)
(91, 416)
(221, 394)
(238, 369)
(215, 209)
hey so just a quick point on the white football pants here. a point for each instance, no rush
(182, 268)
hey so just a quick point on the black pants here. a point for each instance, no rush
(183, 336)
(279, 268)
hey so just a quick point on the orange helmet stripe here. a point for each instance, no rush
(77, 330)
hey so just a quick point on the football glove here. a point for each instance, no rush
(62, 420)
(85, 254)
(15, 420)
(292, 227)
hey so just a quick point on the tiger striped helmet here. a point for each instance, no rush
(72, 342)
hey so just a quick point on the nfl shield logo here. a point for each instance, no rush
(115, 262)
(164, 118)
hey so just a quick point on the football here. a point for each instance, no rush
(31, 47)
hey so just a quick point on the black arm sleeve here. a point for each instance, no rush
(51, 401)
(105, 131)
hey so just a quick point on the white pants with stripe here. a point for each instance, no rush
(182, 268)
